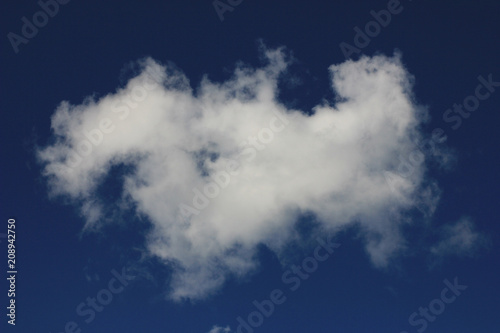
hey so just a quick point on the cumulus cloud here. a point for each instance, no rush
(225, 167)
(460, 239)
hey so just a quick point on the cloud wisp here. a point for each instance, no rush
(460, 239)
(225, 167)
(219, 329)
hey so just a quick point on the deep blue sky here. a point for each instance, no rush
(83, 50)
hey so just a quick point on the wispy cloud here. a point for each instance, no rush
(461, 239)
(226, 167)
(218, 329)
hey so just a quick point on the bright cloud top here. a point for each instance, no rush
(224, 168)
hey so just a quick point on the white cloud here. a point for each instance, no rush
(460, 239)
(175, 140)
(218, 329)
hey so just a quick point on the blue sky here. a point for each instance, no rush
(251, 166)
